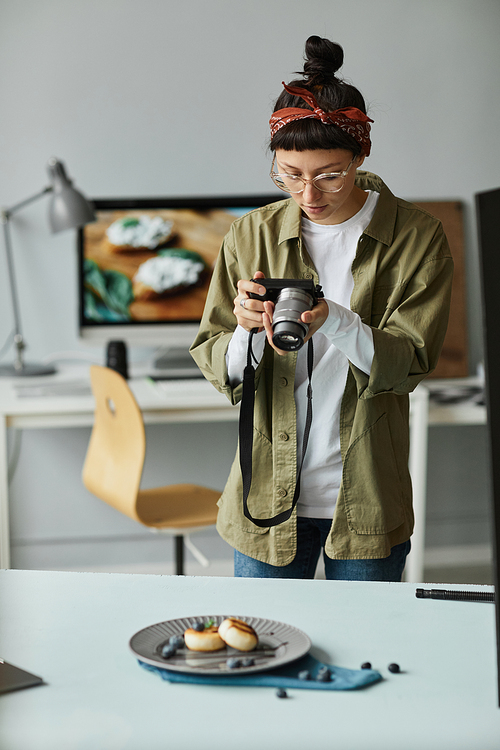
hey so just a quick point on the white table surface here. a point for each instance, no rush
(73, 630)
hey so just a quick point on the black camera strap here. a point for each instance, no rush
(246, 436)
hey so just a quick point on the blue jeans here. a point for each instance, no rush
(311, 538)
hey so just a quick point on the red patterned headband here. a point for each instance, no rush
(350, 119)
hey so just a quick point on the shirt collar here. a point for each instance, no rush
(383, 222)
(290, 226)
(381, 227)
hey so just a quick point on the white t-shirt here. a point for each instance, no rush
(342, 338)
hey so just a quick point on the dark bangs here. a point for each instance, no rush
(311, 135)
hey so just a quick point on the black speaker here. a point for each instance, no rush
(116, 357)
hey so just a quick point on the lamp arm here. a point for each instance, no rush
(7, 212)
(18, 336)
(5, 215)
(69, 210)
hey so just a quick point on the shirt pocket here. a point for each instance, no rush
(372, 486)
(260, 499)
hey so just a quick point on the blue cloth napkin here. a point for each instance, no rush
(283, 677)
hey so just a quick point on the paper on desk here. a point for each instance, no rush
(66, 388)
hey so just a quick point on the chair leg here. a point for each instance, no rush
(179, 555)
(197, 554)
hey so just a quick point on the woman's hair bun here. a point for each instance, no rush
(323, 59)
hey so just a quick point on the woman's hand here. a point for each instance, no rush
(314, 319)
(249, 312)
(254, 313)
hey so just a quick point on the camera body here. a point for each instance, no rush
(291, 298)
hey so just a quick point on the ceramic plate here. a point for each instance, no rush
(278, 644)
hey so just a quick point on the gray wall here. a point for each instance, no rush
(165, 98)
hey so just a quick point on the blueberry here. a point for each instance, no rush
(304, 675)
(168, 650)
(177, 641)
(248, 661)
(366, 665)
(233, 663)
(198, 626)
(394, 668)
(281, 693)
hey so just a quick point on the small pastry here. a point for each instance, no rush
(137, 233)
(170, 272)
(238, 634)
(207, 639)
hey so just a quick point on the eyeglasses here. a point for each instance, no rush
(331, 182)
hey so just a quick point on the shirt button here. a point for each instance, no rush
(283, 382)
(283, 436)
(281, 492)
(308, 275)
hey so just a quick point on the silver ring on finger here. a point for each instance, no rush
(242, 302)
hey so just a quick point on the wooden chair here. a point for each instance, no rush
(114, 463)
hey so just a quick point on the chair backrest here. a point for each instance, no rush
(115, 456)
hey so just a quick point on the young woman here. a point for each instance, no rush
(385, 270)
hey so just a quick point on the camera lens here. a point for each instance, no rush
(288, 328)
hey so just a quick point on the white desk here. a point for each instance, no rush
(73, 629)
(423, 412)
(198, 401)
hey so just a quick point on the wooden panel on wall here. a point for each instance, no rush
(453, 362)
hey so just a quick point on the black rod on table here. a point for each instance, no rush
(455, 596)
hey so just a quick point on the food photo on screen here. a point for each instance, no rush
(151, 264)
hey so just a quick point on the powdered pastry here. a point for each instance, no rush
(170, 272)
(137, 233)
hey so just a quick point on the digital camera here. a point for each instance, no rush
(291, 298)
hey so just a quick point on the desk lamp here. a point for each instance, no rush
(68, 209)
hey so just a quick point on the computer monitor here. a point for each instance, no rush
(145, 264)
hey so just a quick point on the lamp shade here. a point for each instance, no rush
(68, 208)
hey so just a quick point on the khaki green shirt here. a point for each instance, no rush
(402, 275)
